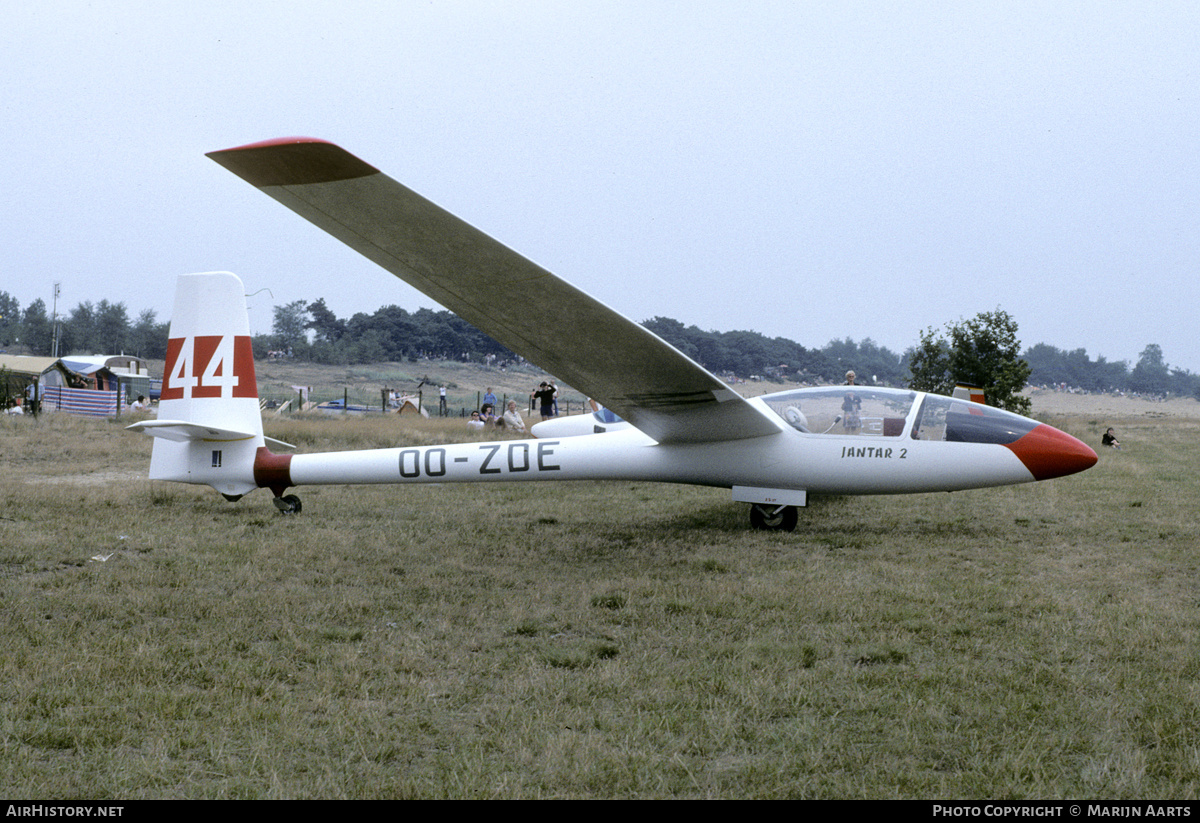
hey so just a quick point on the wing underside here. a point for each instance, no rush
(526, 308)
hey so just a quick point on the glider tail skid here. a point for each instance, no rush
(209, 429)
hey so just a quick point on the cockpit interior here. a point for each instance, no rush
(880, 412)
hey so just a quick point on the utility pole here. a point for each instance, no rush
(54, 316)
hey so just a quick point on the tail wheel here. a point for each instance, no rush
(288, 504)
(773, 518)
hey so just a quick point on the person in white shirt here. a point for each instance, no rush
(512, 418)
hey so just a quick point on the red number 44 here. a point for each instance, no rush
(217, 366)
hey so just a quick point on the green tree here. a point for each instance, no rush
(10, 319)
(38, 334)
(148, 338)
(112, 326)
(290, 322)
(324, 322)
(871, 362)
(1151, 374)
(78, 333)
(929, 364)
(983, 351)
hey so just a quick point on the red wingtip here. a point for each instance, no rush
(292, 161)
(1048, 452)
(278, 141)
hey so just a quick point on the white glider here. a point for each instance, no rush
(684, 424)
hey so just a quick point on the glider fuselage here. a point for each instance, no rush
(889, 458)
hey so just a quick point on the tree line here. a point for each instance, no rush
(309, 330)
(312, 332)
(89, 328)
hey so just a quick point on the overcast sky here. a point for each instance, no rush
(805, 170)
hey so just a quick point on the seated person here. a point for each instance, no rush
(512, 418)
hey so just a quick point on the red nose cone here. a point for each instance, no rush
(1047, 453)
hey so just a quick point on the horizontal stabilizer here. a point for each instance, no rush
(181, 431)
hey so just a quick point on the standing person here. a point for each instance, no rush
(489, 399)
(545, 397)
(442, 410)
(851, 408)
(512, 418)
(554, 403)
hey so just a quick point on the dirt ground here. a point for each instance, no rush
(1107, 406)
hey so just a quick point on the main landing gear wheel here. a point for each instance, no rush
(288, 504)
(773, 518)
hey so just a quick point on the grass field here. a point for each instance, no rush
(593, 640)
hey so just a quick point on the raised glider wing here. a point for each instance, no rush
(535, 314)
(687, 426)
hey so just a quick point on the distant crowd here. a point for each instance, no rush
(544, 398)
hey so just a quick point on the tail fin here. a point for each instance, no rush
(965, 391)
(209, 426)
